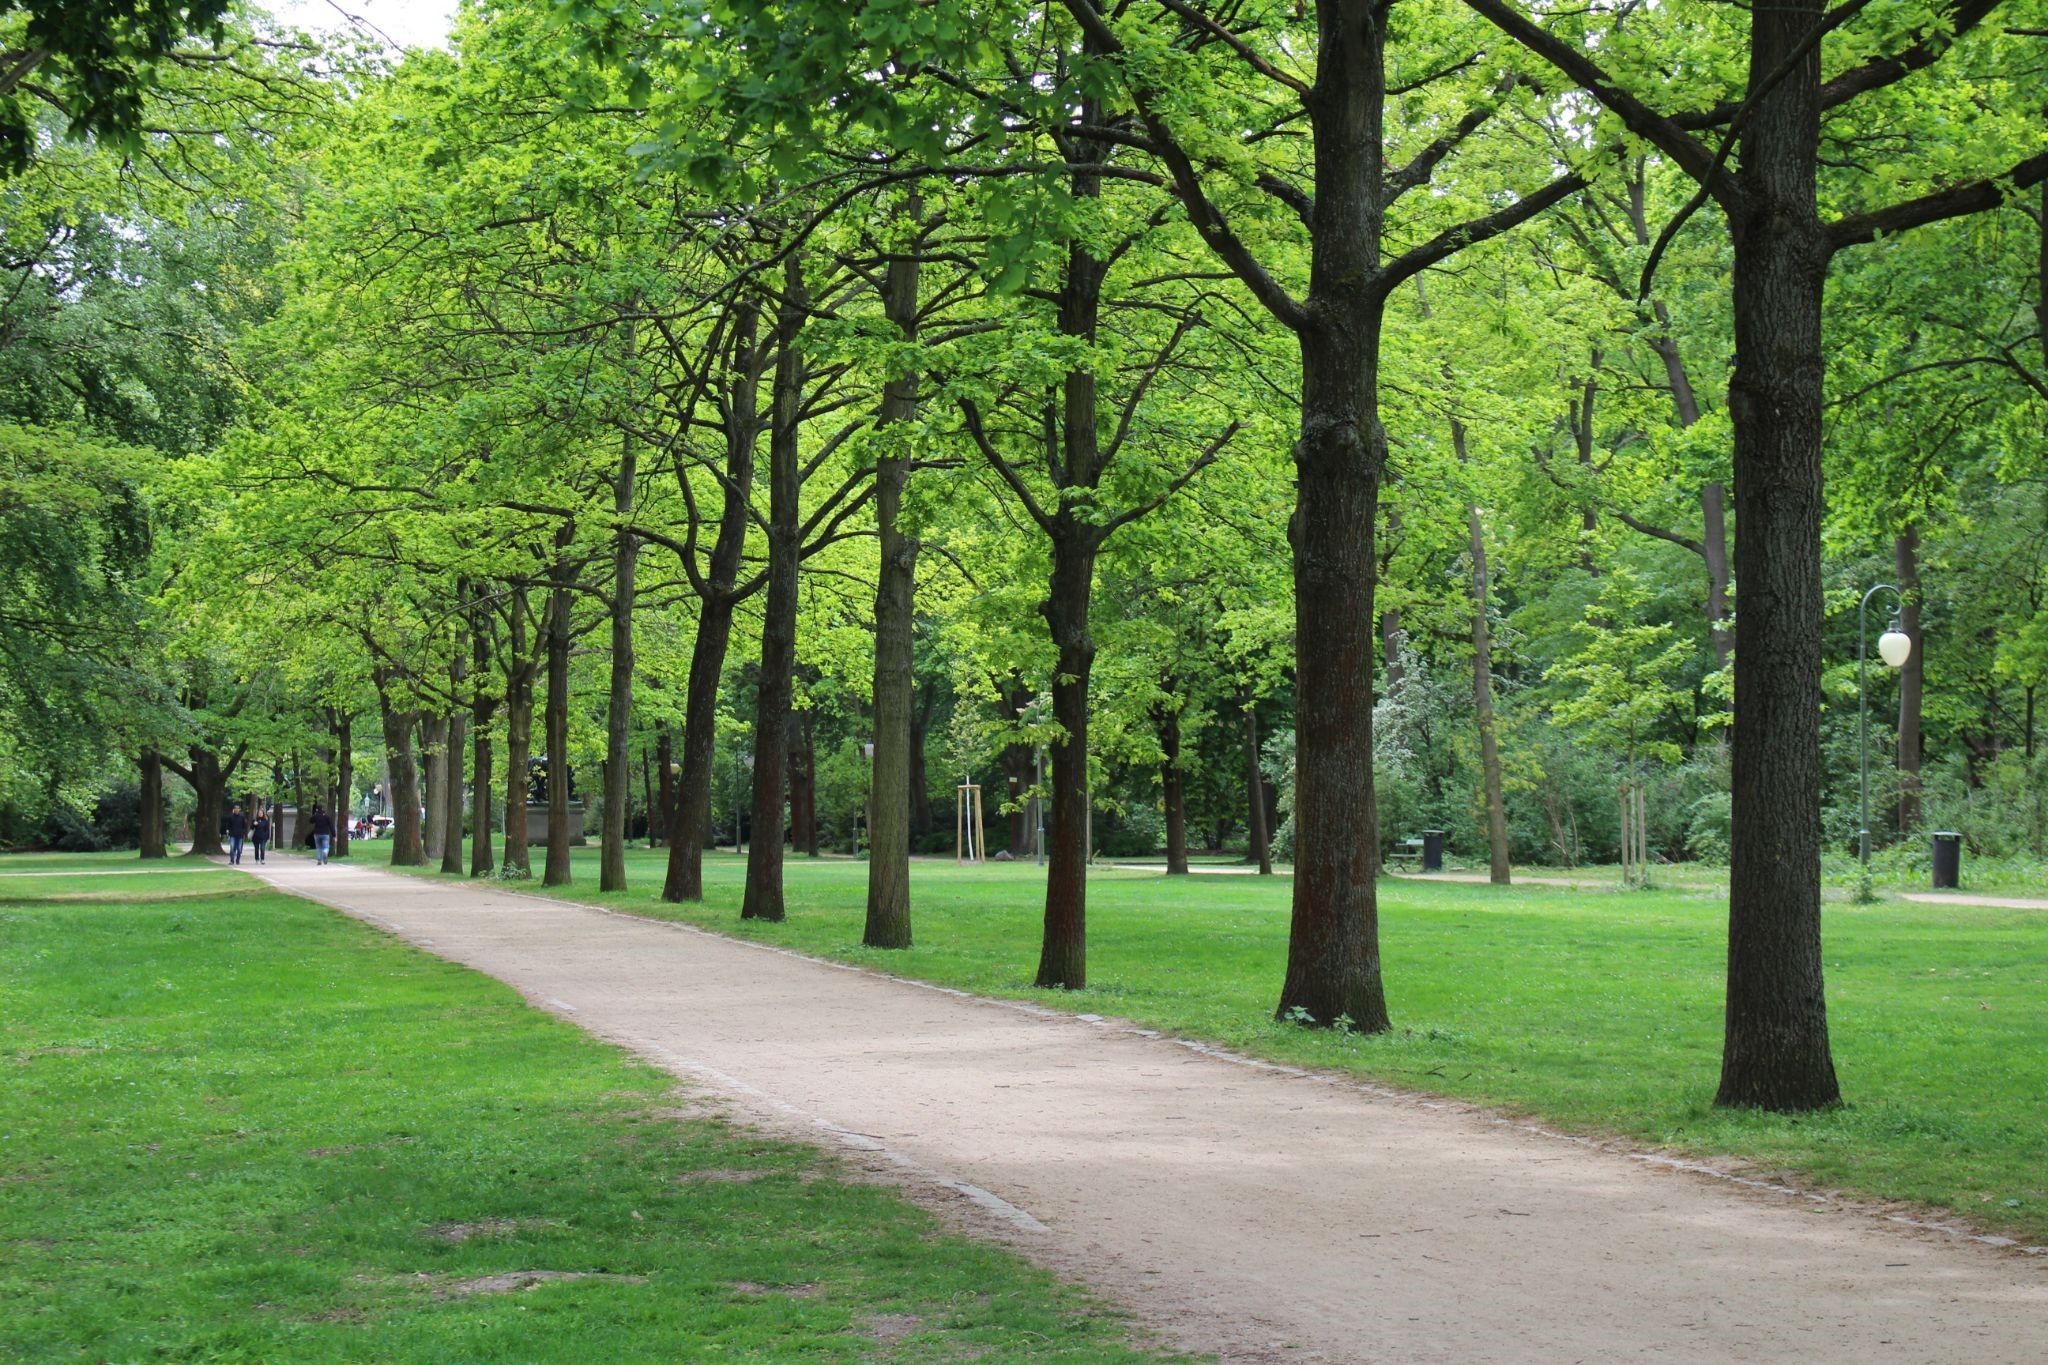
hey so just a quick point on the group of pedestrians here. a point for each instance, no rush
(256, 833)
(240, 829)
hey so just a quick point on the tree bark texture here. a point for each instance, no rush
(803, 785)
(152, 841)
(618, 723)
(1173, 787)
(888, 919)
(434, 777)
(1333, 955)
(763, 897)
(458, 738)
(408, 847)
(1261, 851)
(1775, 1051)
(209, 802)
(661, 820)
(716, 600)
(1482, 684)
(561, 584)
(342, 721)
(482, 781)
(519, 670)
(1063, 951)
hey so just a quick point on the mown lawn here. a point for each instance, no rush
(237, 1126)
(1596, 1010)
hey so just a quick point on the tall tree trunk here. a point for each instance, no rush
(457, 740)
(1333, 954)
(1906, 556)
(1261, 851)
(482, 859)
(1173, 787)
(519, 669)
(763, 897)
(1392, 637)
(662, 817)
(803, 784)
(1714, 517)
(434, 769)
(408, 846)
(618, 772)
(1775, 1053)
(342, 721)
(1063, 954)
(152, 841)
(1482, 686)
(209, 803)
(888, 921)
(692, 828)
(685, 881)
(1582, 411)
(561, 584)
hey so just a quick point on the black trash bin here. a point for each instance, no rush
(1948, 859)
(1432, 850)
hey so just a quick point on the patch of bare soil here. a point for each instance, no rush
(516, 1281)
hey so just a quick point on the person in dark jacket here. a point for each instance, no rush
(259, 833)
(237, 826)
(322, 825)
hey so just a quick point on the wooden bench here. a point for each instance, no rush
(1407, 851)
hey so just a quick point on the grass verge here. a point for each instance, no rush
(237, 1126)
(1598, 1011)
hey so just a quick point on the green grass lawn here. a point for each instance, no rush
(1596, 1010)
(237, 1126)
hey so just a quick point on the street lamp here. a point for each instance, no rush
(1894, 647)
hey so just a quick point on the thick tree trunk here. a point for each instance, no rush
(1912, 678)
(1333, 955)
(888, 921)
(692, 827)
(519, 669)
(763, 898)
(152, 842)
(1775, 1053)
(1063, 954)
(408, 845)
(209, 803)
(1261, 851)
(618, 771)
(457, 740)
(482, 781)
(561, 583)
(803, 785)
(343, 723)
(1482, 690)
(685, 881)
(434, 771)
(1173, 787)
(661, 820)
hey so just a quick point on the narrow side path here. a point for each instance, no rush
(1241, 1209)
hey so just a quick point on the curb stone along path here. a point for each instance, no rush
(1246, 1209)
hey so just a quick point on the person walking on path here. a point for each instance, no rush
(259, 833)
(237, 830)
(322, 825)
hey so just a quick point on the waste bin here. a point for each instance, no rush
(1948, 859)
(1432, 850)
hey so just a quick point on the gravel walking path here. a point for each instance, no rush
(1250, 1210)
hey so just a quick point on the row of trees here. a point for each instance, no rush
(1191, 391)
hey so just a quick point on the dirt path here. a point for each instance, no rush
(1243, 1209)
